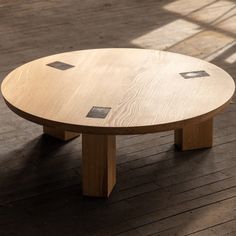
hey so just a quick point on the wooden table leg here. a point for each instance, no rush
(59, 133)
(195, 136)
(99, 164)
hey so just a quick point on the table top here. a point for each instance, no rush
(117, 91)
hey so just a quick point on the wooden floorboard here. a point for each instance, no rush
(160, 190)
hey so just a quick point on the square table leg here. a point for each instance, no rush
(99, 164)
(195, 136)
(59, 133)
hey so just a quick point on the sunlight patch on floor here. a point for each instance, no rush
(220, 52)
(201, 45)
(206, 12)
(167, 35)
(185, 7)
(217, 17)
(231, 59)
(229, 25)
(215, 12)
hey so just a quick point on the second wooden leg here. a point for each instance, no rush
(99, 164)
(59, 133)
(195, 136)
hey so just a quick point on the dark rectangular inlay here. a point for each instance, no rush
(60, 65)
(98, 112)
(194, 74)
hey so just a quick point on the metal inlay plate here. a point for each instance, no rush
(194, 74)
(98, 112)
(60, 65)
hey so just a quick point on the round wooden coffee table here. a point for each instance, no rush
(106, 92)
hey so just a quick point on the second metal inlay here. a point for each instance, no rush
(98, 112)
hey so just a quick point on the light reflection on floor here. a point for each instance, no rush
(164, 37)
(231, 59)
(194, 29)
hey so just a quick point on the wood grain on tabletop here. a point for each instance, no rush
(143, 88)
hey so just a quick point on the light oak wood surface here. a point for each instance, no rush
(99, 164)
(195, 136)
(143, 88)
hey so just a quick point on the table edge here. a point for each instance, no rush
(118, 130)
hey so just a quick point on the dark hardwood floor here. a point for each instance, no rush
(160, 191)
